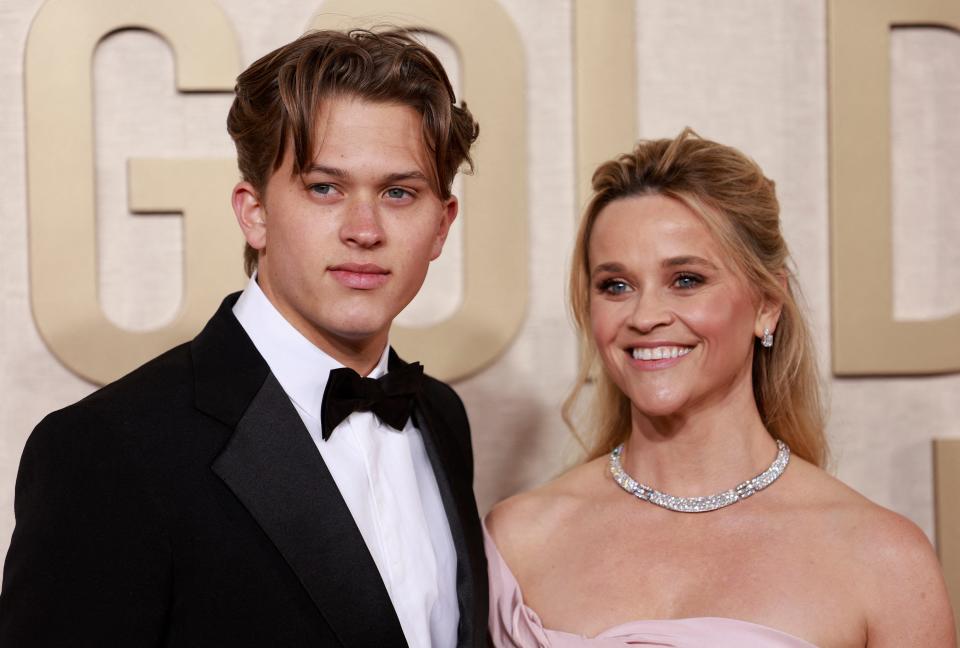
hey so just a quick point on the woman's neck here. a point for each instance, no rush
(699, 452)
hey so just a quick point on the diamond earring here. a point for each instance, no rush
(767, 339)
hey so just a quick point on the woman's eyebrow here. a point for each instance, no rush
(608, 267)
(688, 260)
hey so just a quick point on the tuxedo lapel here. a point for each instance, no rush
(459, 509)
(273, 467)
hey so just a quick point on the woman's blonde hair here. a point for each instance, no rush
(739, 206)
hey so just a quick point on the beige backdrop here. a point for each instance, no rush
(752, 73)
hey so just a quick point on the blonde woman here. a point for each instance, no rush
(704, 517)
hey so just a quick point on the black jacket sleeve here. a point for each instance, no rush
(89, 562)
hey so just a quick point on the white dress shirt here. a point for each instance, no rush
(384, 476)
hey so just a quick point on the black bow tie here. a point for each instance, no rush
(390, 397)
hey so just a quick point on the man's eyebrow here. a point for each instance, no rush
(390, 178)
(405, 175)
(330, 171)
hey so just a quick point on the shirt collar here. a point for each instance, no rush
(299, 366)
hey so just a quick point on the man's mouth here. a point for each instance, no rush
(360, 276)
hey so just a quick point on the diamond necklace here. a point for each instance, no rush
(704, 503)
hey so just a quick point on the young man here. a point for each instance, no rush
(249, 488)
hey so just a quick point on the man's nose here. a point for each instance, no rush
(361, 224)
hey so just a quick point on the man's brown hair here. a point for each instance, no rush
(279, 96)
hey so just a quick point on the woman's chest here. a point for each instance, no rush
(798, 586)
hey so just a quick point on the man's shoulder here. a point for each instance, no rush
(153, 391)
(156, 394)
(160, 378)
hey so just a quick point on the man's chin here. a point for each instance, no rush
(361, 333)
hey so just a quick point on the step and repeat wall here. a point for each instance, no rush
(119, 241)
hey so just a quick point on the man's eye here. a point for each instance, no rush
(321, 189)
(614, 286)
(396, 193)
(687, 281)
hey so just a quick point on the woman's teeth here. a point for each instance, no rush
(659, 353)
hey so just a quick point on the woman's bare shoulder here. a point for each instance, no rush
(908, 599)
(856, 518)
(902, 583)
(856, 514)
(520, 523)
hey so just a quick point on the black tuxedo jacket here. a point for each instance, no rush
(186, 505)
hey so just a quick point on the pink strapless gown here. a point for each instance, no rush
(513, 624)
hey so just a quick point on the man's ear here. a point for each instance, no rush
(251, 214)
(450, 208)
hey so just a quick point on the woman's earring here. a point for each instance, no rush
(767, 339)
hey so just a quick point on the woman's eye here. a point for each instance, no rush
(614, 286)
(687, 281)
